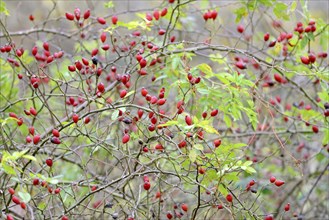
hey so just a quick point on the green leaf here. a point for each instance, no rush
(192, 155)
(30, 157)
(53, 181)
(239, 145)
(205, 68)
(115, 115)
(250, 170)
(25, 196)
(293, 6)
(240, 12)
(8, 169)
(169, 123)
(247, 163)
(325, 139)
(198, 146)
(3, 9)
(304, 42)
(175, 62)
(132, 24)
(320, 156)
(280, 10)
(108, 4)
(231, 176)
(222, 189)
(42, 205)
(227, 120)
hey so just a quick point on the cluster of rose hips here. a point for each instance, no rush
(147, 184)
(178, 214)
(210, 15)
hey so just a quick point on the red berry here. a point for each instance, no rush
(123, 93)
(146, 178)
(20, 121)
(35, 182)
(162, 32)
(156, 14)
(305, 60)
(103, 37)
(94, 52)
(188, 120)
(28, 139)
(77, 13)
(214, 112)
(125, 138)
(172, 39)
(36, 139)
(147, 185)
(148, 17)
(34, 50)
(278, 78)
(241, 65)
(11, 191)
(9, 217)
(23, 205)
(101, 87)
(55, 140)
(159, 147)
(69, 16)
(164, 12)
(240, 28)
(272, 179)
(229, 198)
(65, 217)
(142, 63)
(315, 129)
(252, 182)
(101, 20)
(182, 144)
(158, 195)
(71, 68)
(16, 200)
(287, 207)
(31, 17)
(85, 61)
(312, 57)
(50, 59)
(279, 183)
(144, 92)
(202, 170)
(272, 43)
(86, 15)
(86, 120)
(49, 162)
(31, 130)
(266, 36)
(269, 217)
(57, 191)
(217, 142)
(184, 207)
(75, 118)
(12, 115)
(106, 47)
(326, 112)
(169, 215)
(220, 206)
(161, 101)
(114, 19)
(214, 14)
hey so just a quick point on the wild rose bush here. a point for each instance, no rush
(174, 109)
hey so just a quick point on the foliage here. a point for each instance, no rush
(133, 116)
